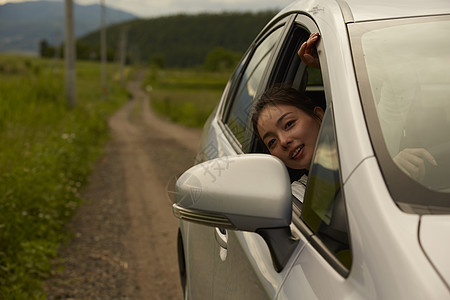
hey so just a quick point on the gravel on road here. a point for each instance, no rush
(123, 243)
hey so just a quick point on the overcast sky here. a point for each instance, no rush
(151, 8)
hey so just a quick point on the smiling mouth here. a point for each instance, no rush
(297, 151)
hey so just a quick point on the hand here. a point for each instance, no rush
(411, 161)
(308, 52)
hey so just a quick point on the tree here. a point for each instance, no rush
(221, 59)
(158, 60)
(45, 50)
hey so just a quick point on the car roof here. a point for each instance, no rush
(369, 10)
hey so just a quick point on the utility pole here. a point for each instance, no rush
(123, 53)
(103, 49)
(57, 43)
(69, 54)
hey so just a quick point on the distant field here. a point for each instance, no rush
(46, 153)
(185, 96)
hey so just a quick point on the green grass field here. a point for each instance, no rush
(46, 153)
(47, 150)
(185, 96)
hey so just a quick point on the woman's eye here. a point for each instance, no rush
(270, 143)
(289, 124)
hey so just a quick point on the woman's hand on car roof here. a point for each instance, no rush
(308, 52)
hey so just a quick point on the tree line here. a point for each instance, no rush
(215, 41)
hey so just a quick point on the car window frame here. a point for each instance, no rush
(282, 21)
(316, 241)
(307, 23)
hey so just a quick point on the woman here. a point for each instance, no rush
(288, 123)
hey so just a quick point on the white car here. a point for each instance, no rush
(368, 227)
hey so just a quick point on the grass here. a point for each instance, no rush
(47, 150)
(46, 153)
(185, 96)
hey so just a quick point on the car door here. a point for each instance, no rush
(240, 265)
(243, 267)
(321, 269)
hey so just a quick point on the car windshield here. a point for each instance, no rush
(405, 70)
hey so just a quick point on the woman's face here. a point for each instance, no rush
(290, 134)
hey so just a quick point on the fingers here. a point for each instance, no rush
(313, 37)
(308, 51)
(427, 155)
(411, 161)
(410, 164)
(308, 47)
(302, 50)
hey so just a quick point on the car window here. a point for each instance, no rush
(238, 116)
(323, 207)
(406, 96)
(289, 70)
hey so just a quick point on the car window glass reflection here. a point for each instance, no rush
(240, 111)
(411, 89)
(323, 207)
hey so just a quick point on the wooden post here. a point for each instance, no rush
(123, 53)
(103, 50)
(69, 55)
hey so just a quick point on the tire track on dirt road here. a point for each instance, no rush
(124, 243)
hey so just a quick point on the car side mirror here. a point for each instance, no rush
(245, 192)
(248, 192)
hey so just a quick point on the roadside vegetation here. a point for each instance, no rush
(46, 153)
(47, 149)
(185, 96)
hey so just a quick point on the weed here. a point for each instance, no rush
(46, 154)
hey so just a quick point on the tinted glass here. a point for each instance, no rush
(240, 111)
(323, 207)
(403, 69)
(411, 89)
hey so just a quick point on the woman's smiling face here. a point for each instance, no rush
(290, 134)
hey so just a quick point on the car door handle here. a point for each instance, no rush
(221, 236)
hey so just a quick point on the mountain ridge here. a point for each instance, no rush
(23, 25)
(181, 40)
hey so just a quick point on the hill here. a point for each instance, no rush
(23, 25)
(180, 40)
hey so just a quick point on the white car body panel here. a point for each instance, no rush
(435, 240)
(309, 275)
(196, 247)
(376, 10)
(367, 10)
(261, 261)
(396, 255)
(399, 271)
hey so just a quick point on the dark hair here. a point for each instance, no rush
(281, 95)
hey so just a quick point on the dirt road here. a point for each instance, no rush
(124, 244)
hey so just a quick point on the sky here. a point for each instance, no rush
(155, 8)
